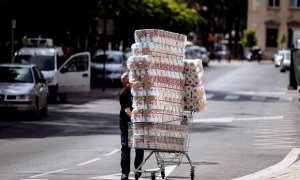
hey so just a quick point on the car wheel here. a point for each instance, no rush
(36, 112)
(63, 97)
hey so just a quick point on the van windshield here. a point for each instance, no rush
(45, 63)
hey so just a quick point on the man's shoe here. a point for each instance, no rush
(124, 177)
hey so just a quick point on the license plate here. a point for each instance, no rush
(5, 105)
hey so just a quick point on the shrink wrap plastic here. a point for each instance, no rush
(151, 48)
(164, 136)
(194, 92)
(160, 36)
(157, 77)
(153, 78)
(168, 63)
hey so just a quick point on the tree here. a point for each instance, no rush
(281, 40)
(129, 15)
(249, 39)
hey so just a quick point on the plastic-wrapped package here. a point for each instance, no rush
(160, 36)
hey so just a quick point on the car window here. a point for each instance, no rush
(37, 74)
(15, 74)
(110, 58)
(45, 63)
(77, 64)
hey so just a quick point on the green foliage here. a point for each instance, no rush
(282, 39)
(249, 39)
(164, 14)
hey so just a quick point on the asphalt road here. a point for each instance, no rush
(251, 123)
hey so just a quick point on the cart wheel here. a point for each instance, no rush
(163, 174)
(152, 176)
(193, 173)
(136, 176)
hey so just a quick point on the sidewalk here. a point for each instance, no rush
(290, 173)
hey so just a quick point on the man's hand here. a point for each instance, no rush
(128, 112)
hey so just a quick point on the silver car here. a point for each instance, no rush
(197, 52)
(23, 89)
(114, 65)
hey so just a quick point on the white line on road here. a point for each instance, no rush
(208, 96)
(88, 162)
(168, 171)
(285, 163)
(258, 118)
(33, 179)
(230, 119)
(214, 120)
(232, 97)
(46, 173)
(112, 152)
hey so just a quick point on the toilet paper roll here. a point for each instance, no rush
(196, 105)
(196, 79)
(198, 92)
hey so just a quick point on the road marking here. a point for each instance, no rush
(230, 119)
(259, 118)
(33, 179)
(232, 97)
(214, 120)
(285, 163)
(260, 92)
(168, 171)
(258, 98)
(46, 173)
(88, 162)
(208, 96)
(112, 152)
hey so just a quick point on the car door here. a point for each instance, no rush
(41, 87)
(75, 74)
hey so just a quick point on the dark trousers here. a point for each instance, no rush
(125, 151)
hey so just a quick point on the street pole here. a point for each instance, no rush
(105, 42)
(13, 26)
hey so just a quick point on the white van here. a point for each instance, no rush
(285, 63)
(63, 75)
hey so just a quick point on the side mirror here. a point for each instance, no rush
(64, 69)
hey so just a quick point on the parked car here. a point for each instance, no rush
(114, 66)
(255, 53)
(197, 52)
(285, 62)
(23, 88)
(278, 57)
(222, 52)
(51, 60)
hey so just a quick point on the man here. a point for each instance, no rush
(125, 115)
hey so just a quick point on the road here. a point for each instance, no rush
(251, 123)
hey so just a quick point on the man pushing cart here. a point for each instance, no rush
(167, 89)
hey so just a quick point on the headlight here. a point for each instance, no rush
(24, 97)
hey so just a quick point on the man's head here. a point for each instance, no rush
(125, 80)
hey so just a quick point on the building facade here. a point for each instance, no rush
(273, 19)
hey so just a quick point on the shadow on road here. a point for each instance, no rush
(60, 124)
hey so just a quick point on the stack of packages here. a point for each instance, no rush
(194, 92)
(157, 74)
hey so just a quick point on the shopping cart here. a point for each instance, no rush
(168, 141)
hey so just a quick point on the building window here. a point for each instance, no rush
(271, 37)
(294, 3)
(274, 3)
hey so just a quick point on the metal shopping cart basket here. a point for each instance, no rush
(168, 141)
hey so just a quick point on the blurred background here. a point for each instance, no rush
(110, 24)
(230, 27)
